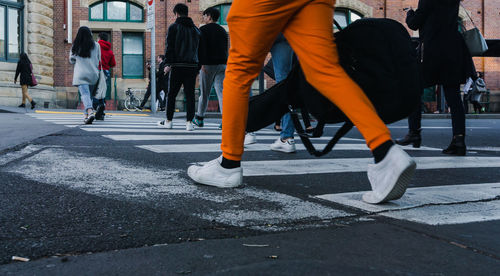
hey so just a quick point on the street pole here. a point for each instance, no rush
(153, 62)
(152, 26)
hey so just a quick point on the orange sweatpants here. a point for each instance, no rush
(308, 27)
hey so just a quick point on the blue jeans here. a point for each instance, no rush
(85, 96)
(282, 63)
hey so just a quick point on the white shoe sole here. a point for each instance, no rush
(283, 150)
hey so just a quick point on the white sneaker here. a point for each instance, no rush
(250, 138)
(89, 119)
(189, 126)
(390, 177)
(165, 124)
(213, 174)
(287, 146)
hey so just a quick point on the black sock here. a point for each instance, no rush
(380, 152)
(230, 164)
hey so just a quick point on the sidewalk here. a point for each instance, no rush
(17, 129)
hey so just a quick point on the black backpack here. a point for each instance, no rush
(378, 55)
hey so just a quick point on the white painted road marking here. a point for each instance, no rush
(194, 137)
(122, 180)
(166, 131)
(342, 165)
(405, 127)
(183, 148)
(435, 205)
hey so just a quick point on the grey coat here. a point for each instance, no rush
(86, 69)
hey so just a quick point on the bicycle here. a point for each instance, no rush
(131, 102)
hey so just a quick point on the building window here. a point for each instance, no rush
(224, 10)
(11, 30)
(133, 55)
(345, 17)
(121, 11)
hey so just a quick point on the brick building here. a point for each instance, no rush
(45, 29)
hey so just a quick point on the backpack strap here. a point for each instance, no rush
(305, 138)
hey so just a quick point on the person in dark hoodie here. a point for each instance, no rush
(24, 68)
(446, 61)
(107, 62)
(181, 63)
(213, 58)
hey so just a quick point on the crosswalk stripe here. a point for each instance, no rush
(193, 137)
(435, 205)
(184, 148)
(428, 127)
(343, 165)
(163, 130)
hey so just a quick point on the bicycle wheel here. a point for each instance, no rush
(130, 104)
(135, 103)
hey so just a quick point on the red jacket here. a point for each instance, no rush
(107, 56)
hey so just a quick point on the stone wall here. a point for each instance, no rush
(38, 44)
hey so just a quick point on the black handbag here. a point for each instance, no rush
(377, 54)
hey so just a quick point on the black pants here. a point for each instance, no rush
(452, 96)
(158, 97)
(181, 76)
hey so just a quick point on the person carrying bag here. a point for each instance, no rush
(25, 70)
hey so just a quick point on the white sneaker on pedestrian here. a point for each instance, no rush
(165, 124)
(287, 146)
(90, 118)
(213, 174)
(250, 138)
(189, 126)
(390, 177)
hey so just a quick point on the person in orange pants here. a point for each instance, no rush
(308, 27)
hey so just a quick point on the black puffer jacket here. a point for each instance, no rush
(183, 39)
(446, 58)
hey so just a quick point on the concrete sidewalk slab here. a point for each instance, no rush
(17, 129)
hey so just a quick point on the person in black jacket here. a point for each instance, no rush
(181, 59)
(24, 68)
(213, 53)
(161, 83)
(446, 61)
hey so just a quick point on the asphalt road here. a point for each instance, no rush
(117, 188)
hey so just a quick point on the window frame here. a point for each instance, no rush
(348, 12)
(222, 21)
(19, 6)
(105, 11)
(143, 53)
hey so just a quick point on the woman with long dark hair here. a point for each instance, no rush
(446, 61)
(85, 55)
(24, 68)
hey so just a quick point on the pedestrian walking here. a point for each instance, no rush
(181, 56)
(473, 91)
(84, 55)
(160, 82)
(107, 62)
(282, 58)
(446, 61)
(213, 52)
(308, 27)
(24, 69)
